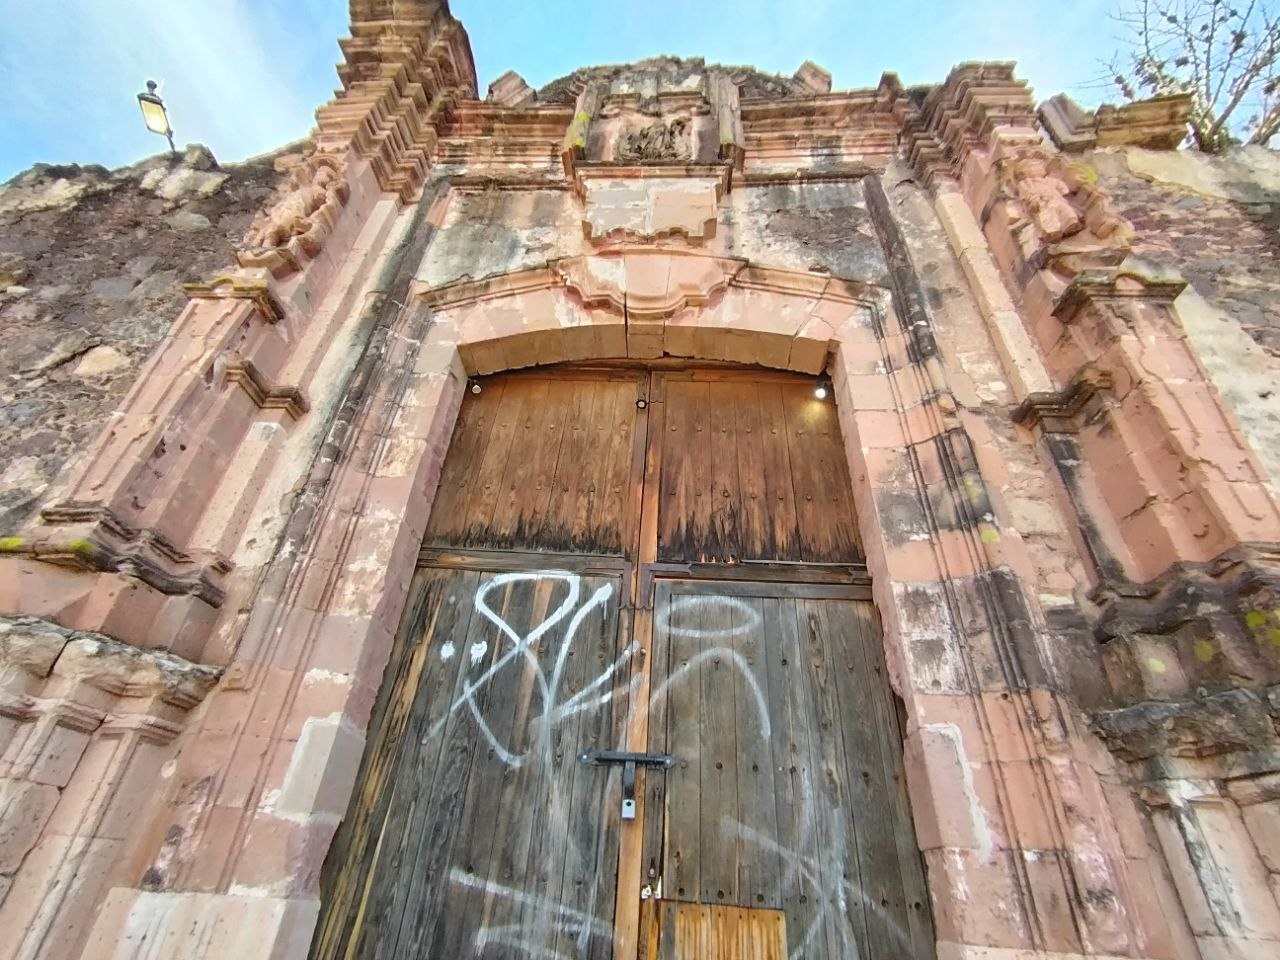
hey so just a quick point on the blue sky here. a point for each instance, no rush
(244, 76)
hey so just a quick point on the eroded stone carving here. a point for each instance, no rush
(1054, 206)
(658, 142)
(300, 218)
(1046, 199)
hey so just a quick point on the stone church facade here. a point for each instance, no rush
(680, 511)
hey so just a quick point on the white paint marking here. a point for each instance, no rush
(447, 651)
(478, 650)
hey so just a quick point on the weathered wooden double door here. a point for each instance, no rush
(659, 562)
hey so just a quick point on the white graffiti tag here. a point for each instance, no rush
(556, 706)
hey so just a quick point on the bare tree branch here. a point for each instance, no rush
(1225, 57)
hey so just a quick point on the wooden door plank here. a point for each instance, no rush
(776, 464)
(513, 791)
(675, 513)
(475, 522)
(813, 519)
(453, 923)
(658, 739)
(419, 789)
(720, 750)
(756, 827)
(525, 482)
(471, 433)
(685, 514)
(589, 852)
(682, 690)
(564, 526)
(611, 523)
(350, 869)
(812, 845)
(432, 688)
(755, 525)
(725, 484)
(820, 474)
(853, 864)
(446, 753)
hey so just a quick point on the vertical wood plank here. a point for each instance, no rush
(725, 491)
(757, 822)
(792, 889)
(718, 732)
(779, 489)
(755, 528)
(462, 463)
(474, 525)
(576, 469)
(525, 482)
(619, 472)
(683, 692)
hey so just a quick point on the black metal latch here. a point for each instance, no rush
(629, 763)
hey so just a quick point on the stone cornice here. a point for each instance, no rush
(44, 649)
(960, 115)
(1058, 411)
(91, 537)
(406, 64)
(236, 288)
(713, 273)
(1115, 286)
(265, 395)
(1159, 123)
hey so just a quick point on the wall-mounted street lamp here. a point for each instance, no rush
(155, 115)
(822, 388)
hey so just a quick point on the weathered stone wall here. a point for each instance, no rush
(1217, 221)
(91, 267)
(819, 227)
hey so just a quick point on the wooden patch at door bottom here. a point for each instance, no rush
(705, 931)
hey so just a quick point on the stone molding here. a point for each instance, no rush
(960, 115)
(406, 65)
(228, 287)
(625, 281)
(1116, 289)
(1219, 735)
(1157, 123)
(98, 540)
(1221, 594)
(45, 650)
(265, 395)
(511, 90)
(1059, 411)
(642, 289)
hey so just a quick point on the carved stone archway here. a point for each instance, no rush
(963, 642)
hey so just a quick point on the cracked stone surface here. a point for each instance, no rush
(91, 267)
